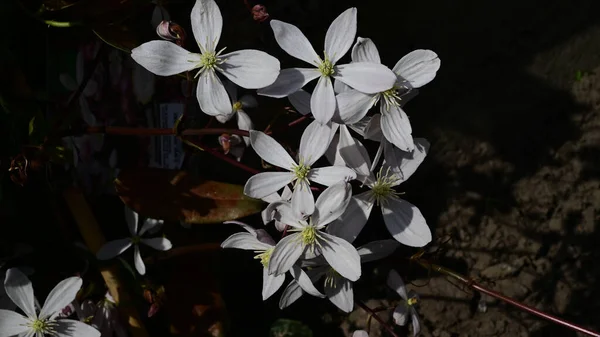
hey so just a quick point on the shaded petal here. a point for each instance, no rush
(353, 105)
(291, 39)
(131, 217)
(364, 50)
(354, 218)
(331, 203)
(113, 248)
(150, 224)
(306, 282)
(158, 243)
(376, 250)
(271, 283)
(341, 256)
(372, 130)
(416, 321)
(406, 223)
(289, 81)
(395, 282)
(248, 101)
(369, 78)
(401, 314)
(19, 289)
(418, 67)
(360, 333)
(333, 154)
(270, 150)
(331, 174)
(339, 86)
(354, 153)
(286, 253)
(404, 164)
(300, 100)
(72, 328)
(291, 293)
(396, 128)
(341, 294)
(303, 201)
(62, 294)
(250, 69)
(286, 215)
(207, 23)
(322, 101)
(314, 142)
(211, 94)
(244, 123)
(164, 58)
(244, 241)
(340, 35)
(262, 184)
(137, 260)
(12, 324)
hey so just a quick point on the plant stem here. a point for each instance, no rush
(377, 318)
(475, 286)
(131, 131)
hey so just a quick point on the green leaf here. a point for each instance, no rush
(289, 328)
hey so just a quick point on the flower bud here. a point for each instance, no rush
(170, 31)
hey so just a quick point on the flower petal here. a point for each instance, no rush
(376, 250)
(341, 256)
(314, 142)
(244, 123)
(62, 294)
(207, 23)
(340, 35)
(12, 324)
(131, 217)
(372, 130)
(352, 106)
(286, 253)
(291, 39)
(150, 224)
(161, 244)
(418, 67)
(137, 260)
(354, 153)
(248, 101)
(285, 214)
(354, 218)
(396, 128)
(303, 201)
(270, 150)
(250, 69)
(339, 86)
(406, 223)
(341, 293)
(331, 174)
(332, 203)
(73, 328)
(113, 248)
(306, 282)
(289, 81)
(322, 101)
(369, 78)
(401, 314)
(262, 184)
(211, 94)
(364, 50)
(291, 293)
(244, 241)
(360, 333)
(271, 283)
(404, 164)
(332, 154)
(395, 282)
(300, 100)
(164, 58)
(416, 322)
(19, 289)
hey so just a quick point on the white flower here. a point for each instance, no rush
(405, 309)
(107, 318)
(402, 219)
(314, 142)
(360, 333)
(19, 289)
(275, 200)
(114, 248)
(250, 69)
(414, 70)
(366, 77)
(237, 107)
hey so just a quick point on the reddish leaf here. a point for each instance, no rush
(176, 195)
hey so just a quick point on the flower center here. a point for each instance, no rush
(383, 188)
(210, 60)
(301, 171)
(309, 235)
(264, 257)
(391, 98)
(43, 326)
(135, 240)
(326, 67)
(330, 277)
(412, 301)
(237, 106)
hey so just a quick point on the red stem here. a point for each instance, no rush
(377, 318)
(131, 131)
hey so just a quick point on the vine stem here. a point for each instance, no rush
(131, 131)
(377, 318)
(476, 286)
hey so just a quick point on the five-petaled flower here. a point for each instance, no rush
(406, 309)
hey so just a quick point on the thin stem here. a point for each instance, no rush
(475, 286)
(373, 314)
(130, 131)
(222, 156)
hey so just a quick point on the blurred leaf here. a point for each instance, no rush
(31, 125)
(289, 328)
(177, 196)
(119, 36)
(59, 154)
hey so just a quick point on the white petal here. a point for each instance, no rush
(286, 195)
(418, 67)
(322, 101)
(404, 164)
(164, 58)
(331, 174)
(303, 201)
(271, 198)
(62, 294)
(207, 23)
(340, 35)
(271, 283)
(286, 253)
(291, 39)
(300, 101)
(158, 243)
(250, 69)
(86, 114)
(369, 78)
(353, 105)
(131, 217)
(291, 293)
(12, 324)
(19, 289)
(376, 250)
(332, 154)
(113, 248)
(396, 128)
(248, 101)
(353, 220)
(244, 241)
(401, 314)
(341, 255)
(150, 224)
(395, 282)
(360, 333)
(285, 214)
(416, 321)
(354, 153)
(72, 328)
(289, 81)
(364, 50)
(262, 184)
(306, 282)
(244, 123)
(372, 130)
(231, 89)
(137, 260)
(211, 94)
(332, 203)
(314, 142)
(406, 223)
(270, 150)
(339, 86)
(342, 294)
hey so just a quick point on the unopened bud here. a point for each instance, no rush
(259, 13)
(171, 31)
